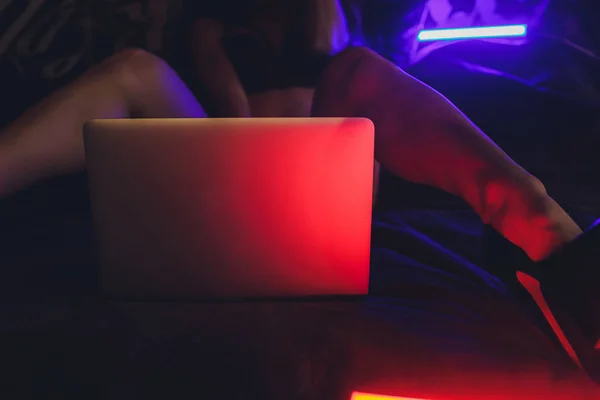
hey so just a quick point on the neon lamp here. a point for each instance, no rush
(369, 396)
(480, 32)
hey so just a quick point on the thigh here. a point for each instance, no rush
(462, 311)
(333, 94)
(46, 140)
(332, 97)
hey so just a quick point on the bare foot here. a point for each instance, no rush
(528, 217)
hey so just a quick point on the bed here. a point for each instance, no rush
(423, 332)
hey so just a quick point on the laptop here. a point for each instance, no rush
(231, 208)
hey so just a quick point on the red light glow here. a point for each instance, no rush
(533, 287)
(370, 396)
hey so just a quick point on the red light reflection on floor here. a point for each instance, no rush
(533, 287)
(370, 396)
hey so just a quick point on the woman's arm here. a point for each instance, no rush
(215, 71)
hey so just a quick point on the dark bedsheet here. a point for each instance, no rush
(436, 324)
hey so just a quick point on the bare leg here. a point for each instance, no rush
(423, 138)
(46, 140)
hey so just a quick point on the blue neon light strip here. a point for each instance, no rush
(472, 33)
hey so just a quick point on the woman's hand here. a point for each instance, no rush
(231, 102)
(331, 33)
(215, 71)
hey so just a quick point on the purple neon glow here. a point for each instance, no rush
(472, 33)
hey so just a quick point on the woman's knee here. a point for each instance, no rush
(353, 54)
(342, 65)
(151, 88)
(133, 68)
(132, 59)
(339, 87)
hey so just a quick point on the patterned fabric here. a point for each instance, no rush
(52, 38)
(46, 43)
